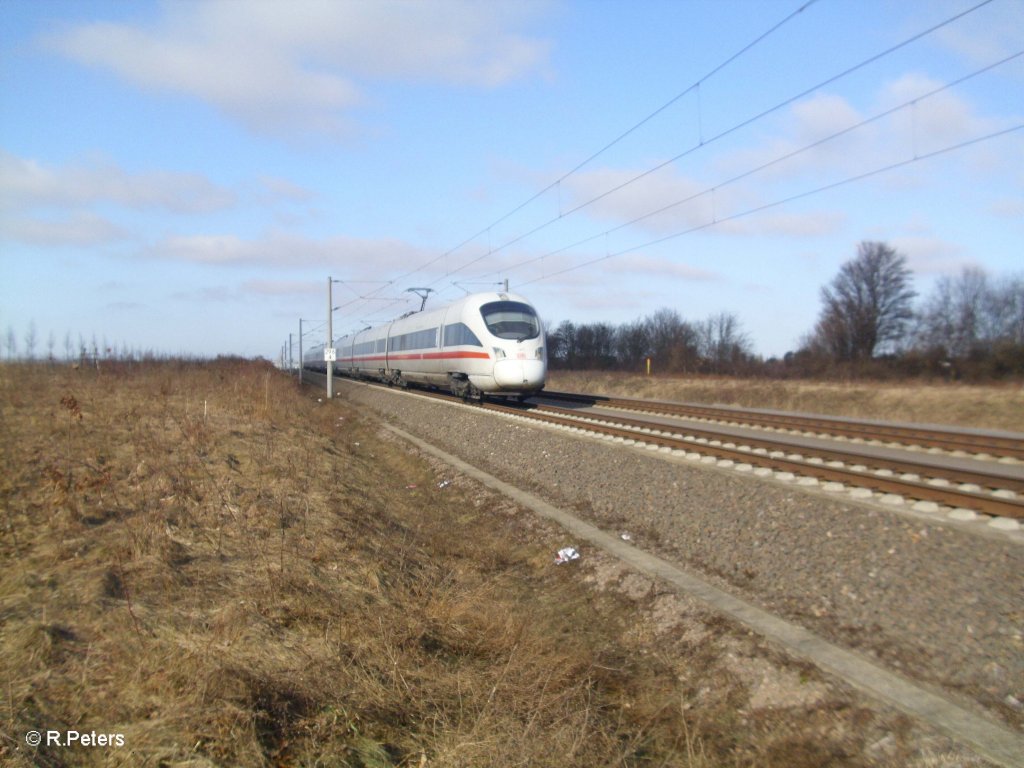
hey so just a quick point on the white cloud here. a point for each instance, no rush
(602, 306)
(1009, 208)
(822, 115)
(355, 258)
(787, 161)
(990, 34)
(783, 224)
(273, 189)
(641, 198)
(938, 121)
(216, 295)
(124, 306)
(78, 229)
(932, 255)
(26, 183)
(260, 87)
(798, 143)
(289, 288)
(282, 67)
(456, 41)
(825, 138)
(687, 205)
(635, 264)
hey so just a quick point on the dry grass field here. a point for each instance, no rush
(218, 569)
(999, 406)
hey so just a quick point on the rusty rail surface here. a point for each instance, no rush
(666, 435)
(855, 469)
(929, 437)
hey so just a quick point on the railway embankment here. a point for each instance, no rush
(205, 565)
(925, 599)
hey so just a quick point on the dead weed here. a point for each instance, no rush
(209, 562)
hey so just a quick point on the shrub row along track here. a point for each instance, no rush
(987, 489)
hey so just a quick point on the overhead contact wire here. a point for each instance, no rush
(689, 151)
(769, 164)
(738, 126)
(618, 138)
(783, 201)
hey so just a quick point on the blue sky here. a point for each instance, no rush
(183, 176)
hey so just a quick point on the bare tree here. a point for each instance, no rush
(595, 345)
(673, 341)
(954, 315)
(562, 344)
(1006, 310)
(723, 343)
(867, 305)
(30, 340)
(632, 344)
(969, 313)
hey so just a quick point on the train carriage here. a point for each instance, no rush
(485, 343)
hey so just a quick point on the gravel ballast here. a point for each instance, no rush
(930, 601)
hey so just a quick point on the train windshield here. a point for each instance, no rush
(511, 320)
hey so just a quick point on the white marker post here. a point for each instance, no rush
(329, 346)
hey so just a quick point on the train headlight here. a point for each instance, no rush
(499, 353)
(539, 353)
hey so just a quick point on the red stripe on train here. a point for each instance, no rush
(419, 356)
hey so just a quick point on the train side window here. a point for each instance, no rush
(416, 340)
(459, 333)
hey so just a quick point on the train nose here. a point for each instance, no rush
(519, 374)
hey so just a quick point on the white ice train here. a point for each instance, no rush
(483, 344)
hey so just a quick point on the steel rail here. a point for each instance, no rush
(991, 480)
(929, 437)
(915, 489)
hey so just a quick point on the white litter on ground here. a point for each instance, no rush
(567, 554)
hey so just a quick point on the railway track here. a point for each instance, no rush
(992, 493)
(837, 568)
(1009, 446)
(987, 490)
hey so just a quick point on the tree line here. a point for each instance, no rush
(715, 345)
(970, 326)
(869, 324)
(31, 348)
